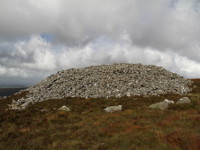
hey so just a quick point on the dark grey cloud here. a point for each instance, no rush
(39, 37)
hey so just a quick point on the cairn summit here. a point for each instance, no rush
(115, 80)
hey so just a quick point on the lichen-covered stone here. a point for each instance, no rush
(184, 100)
(112, 109)
(161, 105)
(64, 108)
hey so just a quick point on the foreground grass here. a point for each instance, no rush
(87, 126)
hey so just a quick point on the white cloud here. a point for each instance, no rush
(34, 54)
(92, 32)
(36, 58)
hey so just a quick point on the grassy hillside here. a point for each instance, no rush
(87, 126)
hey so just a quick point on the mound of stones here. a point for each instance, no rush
(115, 80)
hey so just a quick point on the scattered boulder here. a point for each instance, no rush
(111, 109)
(162, 105)
(44, 110)
(169, 101)
(128, 94)
(64, 108)
(184, 100)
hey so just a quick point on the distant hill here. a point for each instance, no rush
(9, 91)
(13, 86)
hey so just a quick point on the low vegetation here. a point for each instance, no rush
(87, 126)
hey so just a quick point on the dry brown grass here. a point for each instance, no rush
(87, 126)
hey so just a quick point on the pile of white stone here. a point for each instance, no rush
(115, 80)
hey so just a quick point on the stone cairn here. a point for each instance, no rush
(115, 80)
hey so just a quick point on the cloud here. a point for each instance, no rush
(36, 58)
(32, 54)
(40, 37)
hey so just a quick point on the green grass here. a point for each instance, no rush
(87, 126)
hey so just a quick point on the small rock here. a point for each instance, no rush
(111, 109)
(162, 105)
(118, 95)
(128, 94)
(184, 100)
(168, 101)
(64, 108)
(44, 110)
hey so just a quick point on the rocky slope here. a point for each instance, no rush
(115, 80)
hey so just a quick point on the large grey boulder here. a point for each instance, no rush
(64, 108)
(184, 100)
(112, 109)
(161, 105)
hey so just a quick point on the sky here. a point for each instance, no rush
(40, 37)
